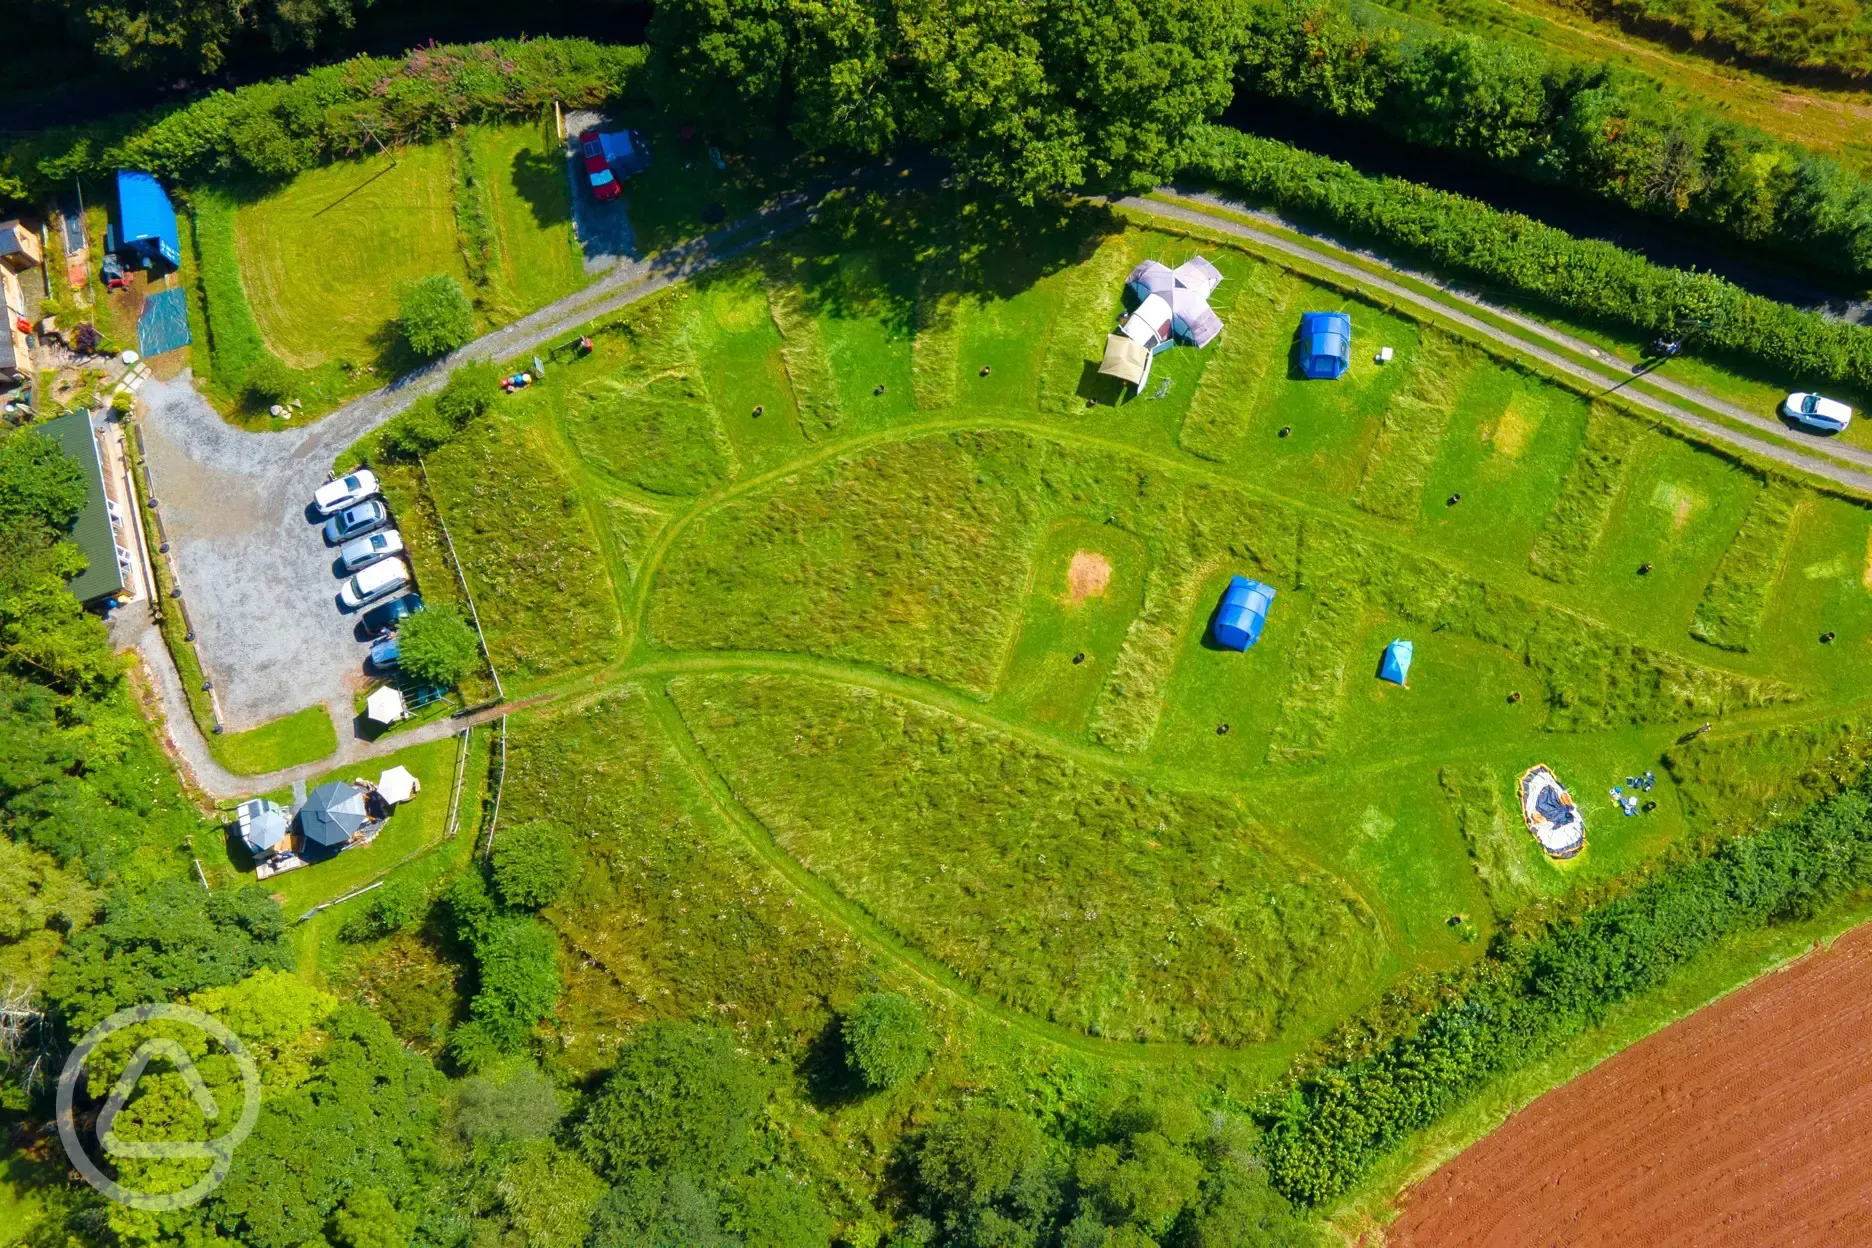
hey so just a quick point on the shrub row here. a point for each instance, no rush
(1326, 1128)
(1591, 126)
(1595, 280)
(276, 129)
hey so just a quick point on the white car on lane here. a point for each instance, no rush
(1816, 412)
(366, 550)
(339, 494)
(373, 583)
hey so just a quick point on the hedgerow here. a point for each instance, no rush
(1325, 1128)
(1595, 280)
(1591, 126)
(275, 129)
(1736, 599)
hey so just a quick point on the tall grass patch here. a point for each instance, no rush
(527, 551)
(1091, 901)
(1415, 419)
(935, 354)
(1251, 347)
(672, 915)
(1735, 601)
(802, 346)
(1309, 707)
(1503, 852)
(1090, 297)
(660, 436)
(1563, 550)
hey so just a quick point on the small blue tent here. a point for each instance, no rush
(1395, 666)
(1325, 344)
(1243, 611)
(146, 221)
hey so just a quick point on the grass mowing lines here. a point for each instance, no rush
(935, 353)
(1563, 550)
(527, 550)
(1415, 419)
(911, 556)
(672, 916)
(633, 528)
(1092, 902)
(322, 257)
(537, 255)
(1227, 398)
(1510, 865)
(1736, 598)
(802, 347)
(1310, 706)
(1089, 303)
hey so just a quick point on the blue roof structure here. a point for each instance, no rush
(1395, 666)
(1325, 345)
(1243, 611)
(146, 220)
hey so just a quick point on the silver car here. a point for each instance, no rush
(367, 550)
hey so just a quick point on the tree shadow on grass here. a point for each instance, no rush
(829, 1079)
(540, 179)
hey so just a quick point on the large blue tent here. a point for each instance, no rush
(1243, 611)
(1395, 666)
(146, 220)
(1325, 344)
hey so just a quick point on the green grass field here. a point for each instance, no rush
(302, 737)
(866, 651)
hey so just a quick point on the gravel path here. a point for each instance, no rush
(1833, 461)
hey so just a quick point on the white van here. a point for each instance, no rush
(374, 582)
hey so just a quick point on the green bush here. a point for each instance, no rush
(534, 864)
(392, 906)
(1591, 126)
(437, 645)
(470, 391)
(268, 382)
(1325, 1129)
(679, 1101)
(887, 1041)
(1591, 279)
(435, 315)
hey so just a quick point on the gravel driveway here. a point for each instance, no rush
(604, 230)
(255, 571)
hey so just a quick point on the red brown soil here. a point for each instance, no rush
(1749, 1122)
(1087, 576)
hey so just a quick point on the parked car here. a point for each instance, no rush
(383, 655)
(364, 551)
(385, 616)
(373, 583)
(604, 183)
(356, 521)
(345, 491)
(1816, 412)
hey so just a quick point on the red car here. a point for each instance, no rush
(597, 168)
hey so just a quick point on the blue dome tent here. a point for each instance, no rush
(1395, 666)
(1243, 611)
(1325, 345)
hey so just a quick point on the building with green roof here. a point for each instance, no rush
(94, 533)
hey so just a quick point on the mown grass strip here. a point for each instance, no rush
(936, 351)
(1414, 423)
(1088, 307)
(802, 350)
(1310, 706)
(1504, 855)
(1225, 398)
(1735, 601)
(1564, 548)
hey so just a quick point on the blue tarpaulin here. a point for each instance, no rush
(164, 323)
(1243, 611)
(1395, 666)
(146, 221)
(1325, 344)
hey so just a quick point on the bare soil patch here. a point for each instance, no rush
(1742, 1124)
(1087, 576)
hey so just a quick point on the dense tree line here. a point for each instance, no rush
(191, 37)
(1532, 993)
(278, 128)
(1593, 280)
(1024, 98)
(1594, 127)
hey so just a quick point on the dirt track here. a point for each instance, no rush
(1744, 1124)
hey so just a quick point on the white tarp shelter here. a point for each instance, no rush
(386, 705)
(397, 785)
(1126, 360)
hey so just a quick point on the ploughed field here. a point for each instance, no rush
(1741, 1124)
(887, 655)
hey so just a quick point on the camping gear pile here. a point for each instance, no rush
(1550, 813)
(1169, 307)
(1624, 794)
(518, 381)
